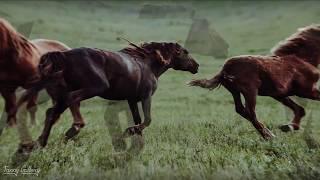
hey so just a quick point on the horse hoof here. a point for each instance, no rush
(12, 124)
(27, 148)
(130, 131)
(41, 143)
(119, 144)
(73, 131)
(267, 134)
(288, 127)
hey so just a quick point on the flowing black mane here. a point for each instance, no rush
(149, 50)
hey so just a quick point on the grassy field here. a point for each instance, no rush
(195, 134)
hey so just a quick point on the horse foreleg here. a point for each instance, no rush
(111, 117)
(250, 98)
(135, 112)
(136, 118)
(32, 108)
(298, 111)
(10, 106)
(137, 129)
(146, 107)
(52, 115)
(78, 121)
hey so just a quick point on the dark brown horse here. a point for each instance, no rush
(129, 74)
(291, 71)
(19, 59)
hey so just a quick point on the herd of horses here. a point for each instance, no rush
(73, 75)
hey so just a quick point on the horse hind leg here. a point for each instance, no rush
(78, 121)
(248, 112)
(130, 131)
(52, 115)
(10, 106)
(73, 101)
(298, 111)
(111, 117)
(250, 98)
(240, 109)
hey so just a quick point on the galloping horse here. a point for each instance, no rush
(19, 59)
(290, 71)
(129, 74)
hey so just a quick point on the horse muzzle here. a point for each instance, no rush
(194, 69)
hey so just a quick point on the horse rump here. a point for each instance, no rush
(51, 68)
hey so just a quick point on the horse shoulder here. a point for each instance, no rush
(126, 63)
(148, 82)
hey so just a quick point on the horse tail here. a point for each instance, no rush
(51, 68)
(208, 83)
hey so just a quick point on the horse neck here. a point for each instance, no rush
(152, 64)
(313, 60)
(16, 43)
(156, 68)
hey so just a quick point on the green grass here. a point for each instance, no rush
(195, 134)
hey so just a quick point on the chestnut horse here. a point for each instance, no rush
(129, 74)
(19, 59)
(290, 71)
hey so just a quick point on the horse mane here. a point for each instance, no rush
(12, 41)
(305, 44)
(148, 50)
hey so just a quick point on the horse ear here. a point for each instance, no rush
(177, 48)
(161, 59)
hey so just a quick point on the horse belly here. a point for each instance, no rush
(113, 94)
(123, 89)
(276, 84)
(271, 89)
